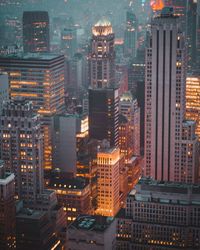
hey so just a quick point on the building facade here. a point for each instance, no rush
(160, 215)
(4, 89)
(38, 78)
(36, 31)
(7, 208)
(104, 115)
(108, 166)
(102, 56)
(92, 233)
(130, 35)
(165, 124)
(193, 100)
(21, 148)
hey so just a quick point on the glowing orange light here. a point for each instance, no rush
(157, 5)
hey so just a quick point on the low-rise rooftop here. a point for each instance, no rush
(92, 223)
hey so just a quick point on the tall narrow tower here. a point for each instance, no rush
(170, 142)
(103, 95)
(130, 35)
(102, 55)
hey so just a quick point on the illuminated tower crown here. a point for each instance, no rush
(102, 28)
(157, 5)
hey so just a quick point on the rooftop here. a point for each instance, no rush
(166, 186)
(27, 213)
(92, 223)
(64, 183)
(102, 28)
(31, 56)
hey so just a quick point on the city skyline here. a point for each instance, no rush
(99, 124)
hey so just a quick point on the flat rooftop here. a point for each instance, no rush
(64, 183)
(27, 213)
(165, 186)
(92, 223)
(31, 56)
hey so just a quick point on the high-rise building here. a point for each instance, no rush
(102, 56)
(64, 131)
(108, 165)
(193, 100)
(4, 89)
(130, 35)
(21, 148)
(36, 31)
(160, 215)
(40, 79)
(103, 95)
(74, 195)
(191, 32)
(34, 230)
(198, 34)
(170, 154)
(69, 41)
(125, 137)
(104, 115)
(7, 211)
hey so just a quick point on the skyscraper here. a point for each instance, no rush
(108, 164)
(21, 148)
(103, 94)
(104, 115)
(7, 211)
(130, 35)
(38, 78)
(102, 55)
(170, 142)
(191, 32)
(36, 31)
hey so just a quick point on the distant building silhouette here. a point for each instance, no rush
(36, 31)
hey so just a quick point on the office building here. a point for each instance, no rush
(73, 194)
(36, 31)
(193, 100)
(7, 211)
(44, 86)
(160, 215)
(126, 138)
(69, 41)
(130, 34)
(191, 32)
(34, 230)
(4, 89)
(129, 108)
(64, 143)
(198, 34)
(165, 125)
(136, 79)
(21, 148)
(92, 233)
(65, 130)
(104, 115)
(103, 95)
(108, 166)
(102, 56)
